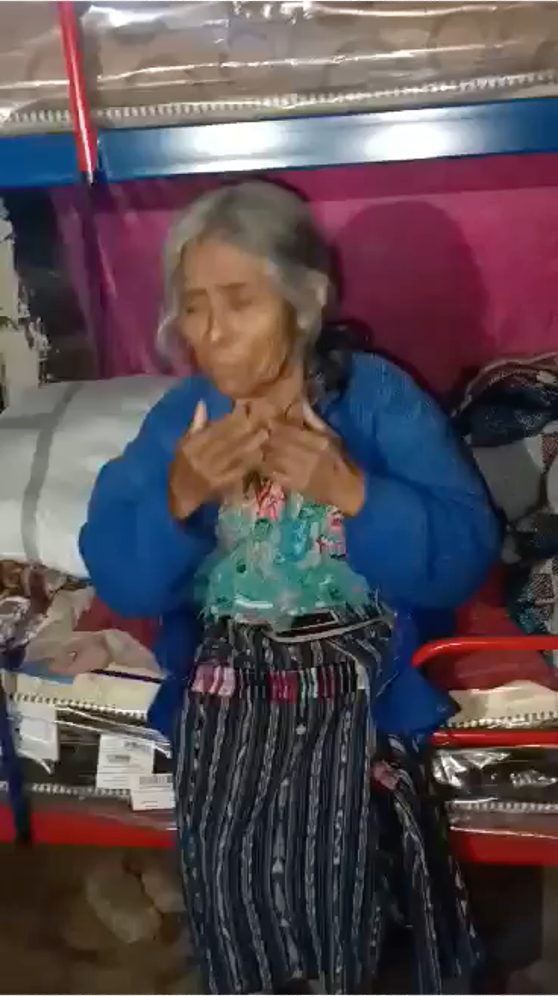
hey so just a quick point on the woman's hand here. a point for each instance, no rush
(213, 459)
(308, 459)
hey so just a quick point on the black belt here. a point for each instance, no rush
(315, 626)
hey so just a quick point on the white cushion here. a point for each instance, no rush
(53, 443)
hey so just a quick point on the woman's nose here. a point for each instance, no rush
(215, 328)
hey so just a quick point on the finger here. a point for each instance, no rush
(233, 428)
(289, 465)
(236, 460)
(242, 415)
(248, 443)
(199, 420)
(245, 430)
(287, 436)
(294, 448)
(283, 463)
(224, 427)
(238, 417)
(303, 434)
(233, 475)
(255, 440)
(208, 447)
(284, 481)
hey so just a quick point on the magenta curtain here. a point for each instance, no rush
(450, 263)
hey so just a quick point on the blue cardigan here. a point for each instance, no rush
(425, 536)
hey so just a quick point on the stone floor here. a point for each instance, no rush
(74, 920)
(53, 941)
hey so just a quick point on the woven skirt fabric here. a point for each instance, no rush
(301, 836)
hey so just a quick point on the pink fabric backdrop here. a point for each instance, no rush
(451, 263)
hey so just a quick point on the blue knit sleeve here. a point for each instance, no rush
(140, 560)
(426, 534)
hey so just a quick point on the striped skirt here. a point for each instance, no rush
(302, 835)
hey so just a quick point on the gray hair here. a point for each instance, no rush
(267, 221)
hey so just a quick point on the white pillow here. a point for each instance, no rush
(53, 443)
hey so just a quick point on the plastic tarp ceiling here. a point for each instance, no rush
(153, 62)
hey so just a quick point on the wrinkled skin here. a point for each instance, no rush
(243, 336)
(213, 459)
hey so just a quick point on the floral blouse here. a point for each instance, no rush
(278, 557)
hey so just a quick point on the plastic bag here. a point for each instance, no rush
(163, 62)
(33, 83)
(105, 760)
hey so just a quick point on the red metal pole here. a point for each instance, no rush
(479, 737)
(86, 139)
(467, 644)
(537, 739)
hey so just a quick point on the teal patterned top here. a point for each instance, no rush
(278, 557)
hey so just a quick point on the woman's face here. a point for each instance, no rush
(232, 315)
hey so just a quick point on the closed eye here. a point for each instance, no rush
(241, 303)
(239, 296)
(193, 302)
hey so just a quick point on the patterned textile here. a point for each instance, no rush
(278, 556)
(26, 592)
(38, 584)
(303, 833)
(510, 419)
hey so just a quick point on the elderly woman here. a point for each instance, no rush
(296, 500)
